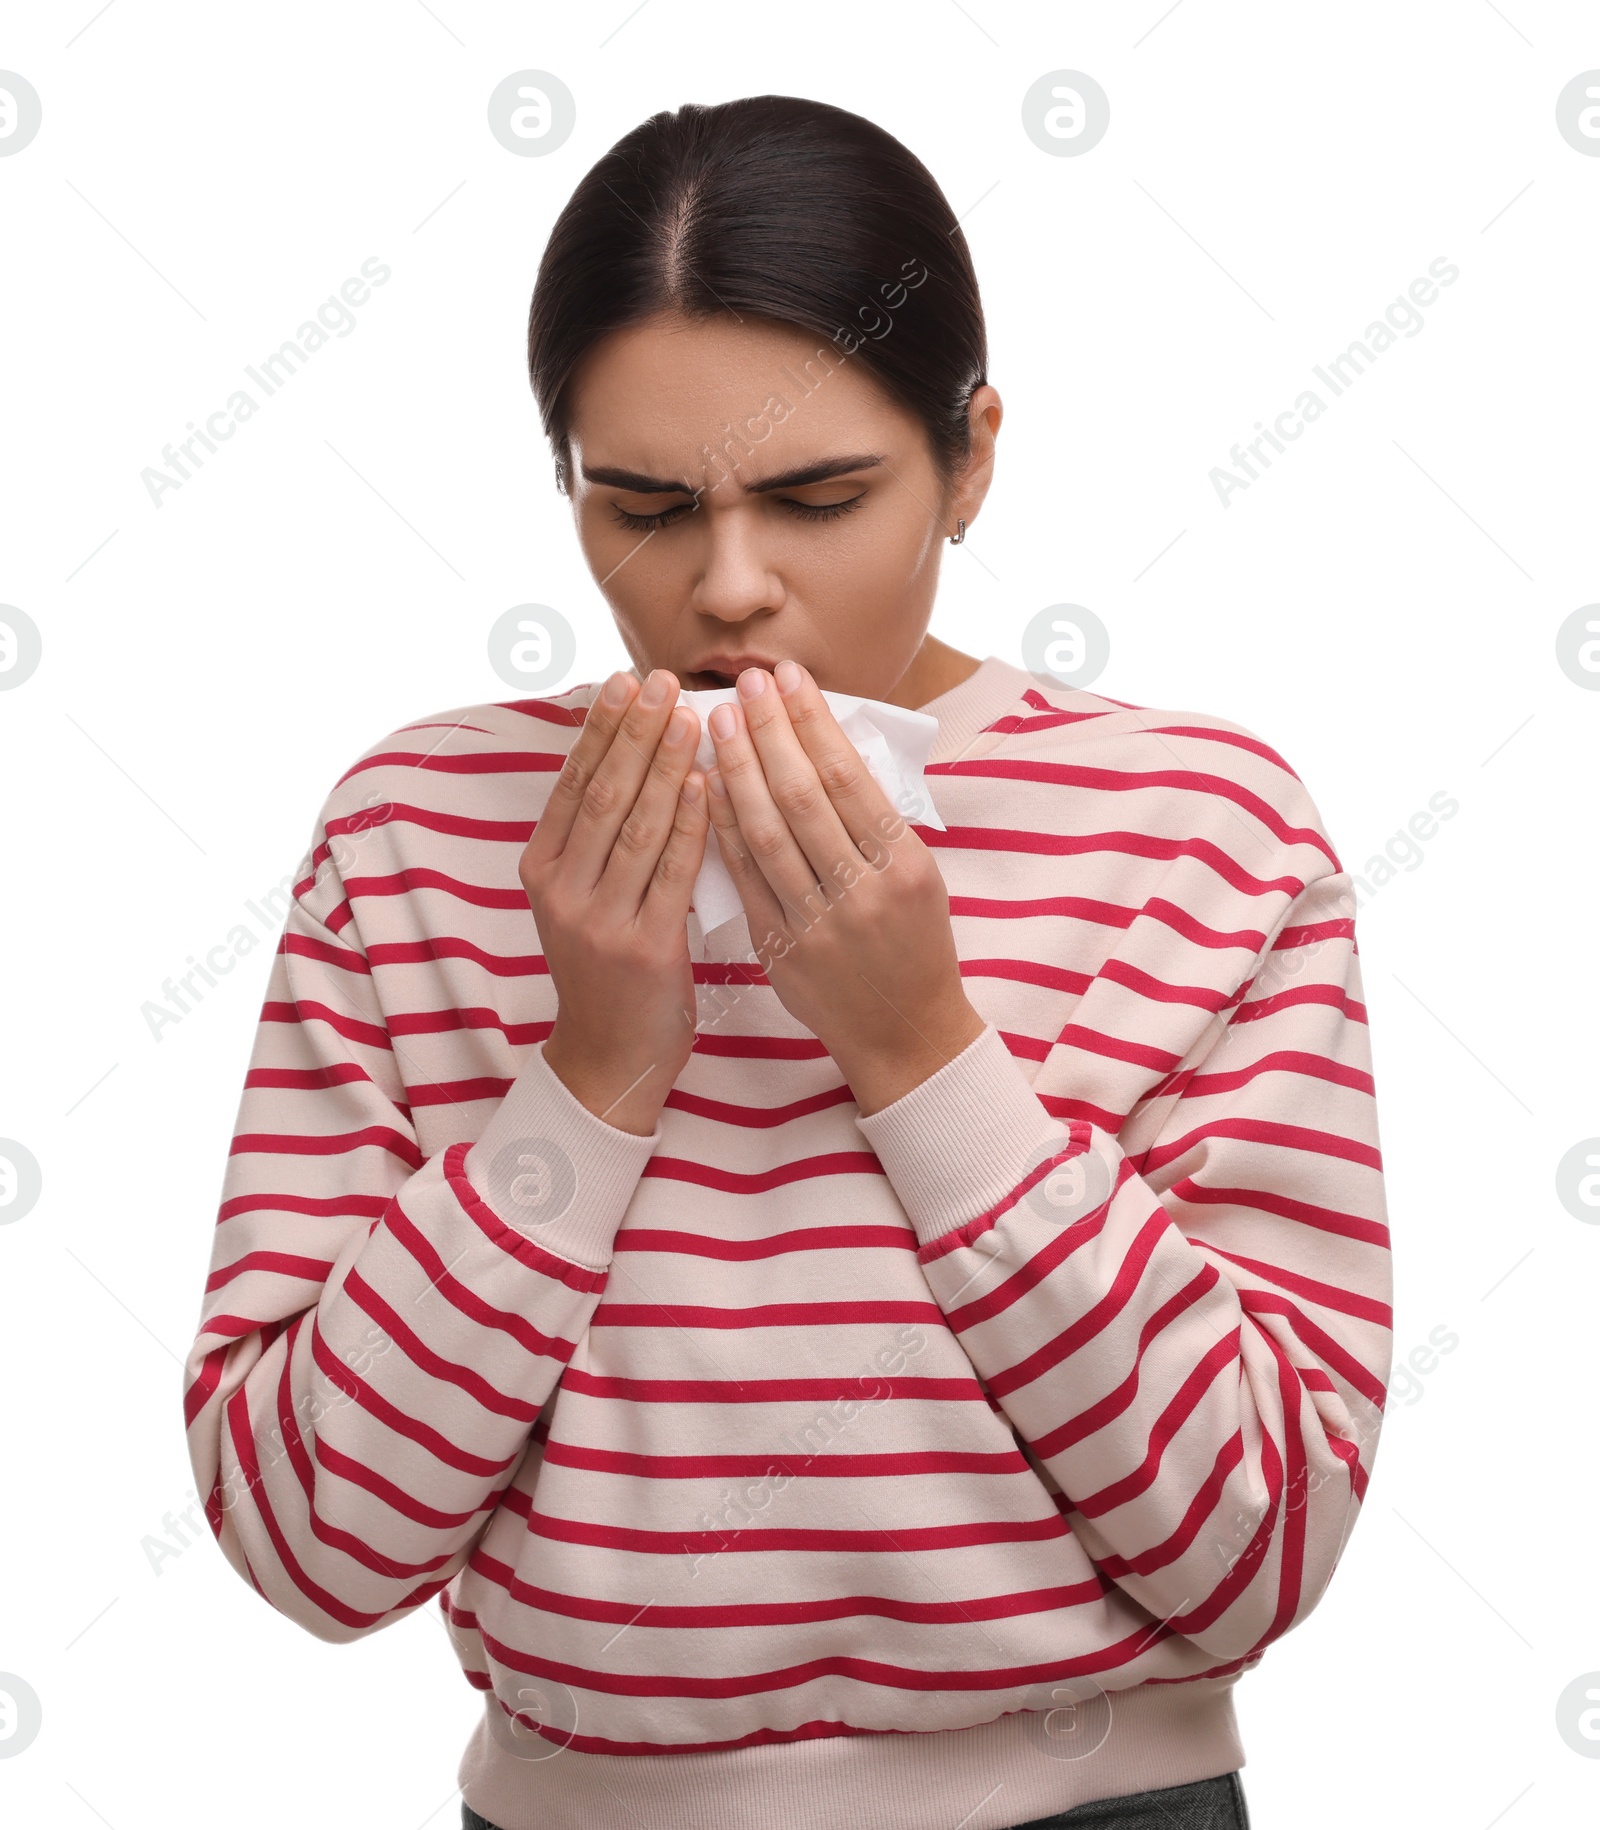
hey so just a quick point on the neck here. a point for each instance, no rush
(935, 669)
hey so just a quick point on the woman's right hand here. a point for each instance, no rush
(608, 873)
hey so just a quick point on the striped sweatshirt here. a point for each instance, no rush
(789, 1465)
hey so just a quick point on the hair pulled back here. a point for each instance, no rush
(779, 206)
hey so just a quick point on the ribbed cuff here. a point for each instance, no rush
(554, 1170)
(957, 1144)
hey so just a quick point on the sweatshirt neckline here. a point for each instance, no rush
(966, 709)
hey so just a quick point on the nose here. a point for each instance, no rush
(736, 578)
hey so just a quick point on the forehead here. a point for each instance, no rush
(653, 395)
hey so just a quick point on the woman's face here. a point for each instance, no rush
(738, 507)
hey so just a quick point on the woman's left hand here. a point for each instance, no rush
(848, 912)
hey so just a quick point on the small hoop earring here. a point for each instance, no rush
(960, 534)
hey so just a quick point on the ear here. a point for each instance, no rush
(971, 483)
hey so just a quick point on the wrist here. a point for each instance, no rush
(878, 1077)
(630, 1097)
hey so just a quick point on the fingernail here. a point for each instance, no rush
(655, 688)
(752, 682)
(691, 792)
(616, 689)
(718, 787)
(679, 724)
(787, 675)
(723, 722)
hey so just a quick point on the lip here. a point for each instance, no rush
(730, 665)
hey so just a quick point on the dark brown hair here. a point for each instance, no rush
(775, 205)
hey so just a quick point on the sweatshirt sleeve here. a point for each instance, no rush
(380, 1328)
(1191, 1335)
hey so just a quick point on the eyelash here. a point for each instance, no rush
(808, 511)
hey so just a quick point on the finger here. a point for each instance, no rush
(614, 785)
(605, 714)
(666, 901)
(866, 813)
(764, 830)
(647, 825)
(763, 911)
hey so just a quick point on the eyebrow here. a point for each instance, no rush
(820, 472)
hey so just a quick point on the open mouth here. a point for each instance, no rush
(708, 677)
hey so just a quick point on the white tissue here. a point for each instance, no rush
(892, 741)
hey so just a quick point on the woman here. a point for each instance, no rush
(898, 1358)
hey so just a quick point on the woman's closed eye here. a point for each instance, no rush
(808, 511)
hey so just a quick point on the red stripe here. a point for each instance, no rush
(902, 1541)
(471, 762)
(859, 1238)
(1285, 1207)
(553, 710)
(617, 1682)
(203, 1386)
(304, 946)
(1104, 1411)
(821, 1390)
(294, 1143)
(371, 1035)
(1199, 1510)
(1011, 1606)
(1264, 1131)
(758, 1181)
(1081, 777)
(1206, 1084)
(863, 1465)
(1211, 1367)
(240, 1436)
(1329, 1295)
(1130, 844)
(832, 1314)
(424, 1435)
(756, 1118)
(425, 877)
(282, 1264)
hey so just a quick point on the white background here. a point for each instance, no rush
(1381, 606)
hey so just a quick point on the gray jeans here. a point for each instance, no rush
(1206, 1804)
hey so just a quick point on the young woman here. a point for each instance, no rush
(894, 1360)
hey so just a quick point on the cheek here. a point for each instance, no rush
(643, 551)
(886, 558)
(600, 531)
(639, 574)
(879, 573)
